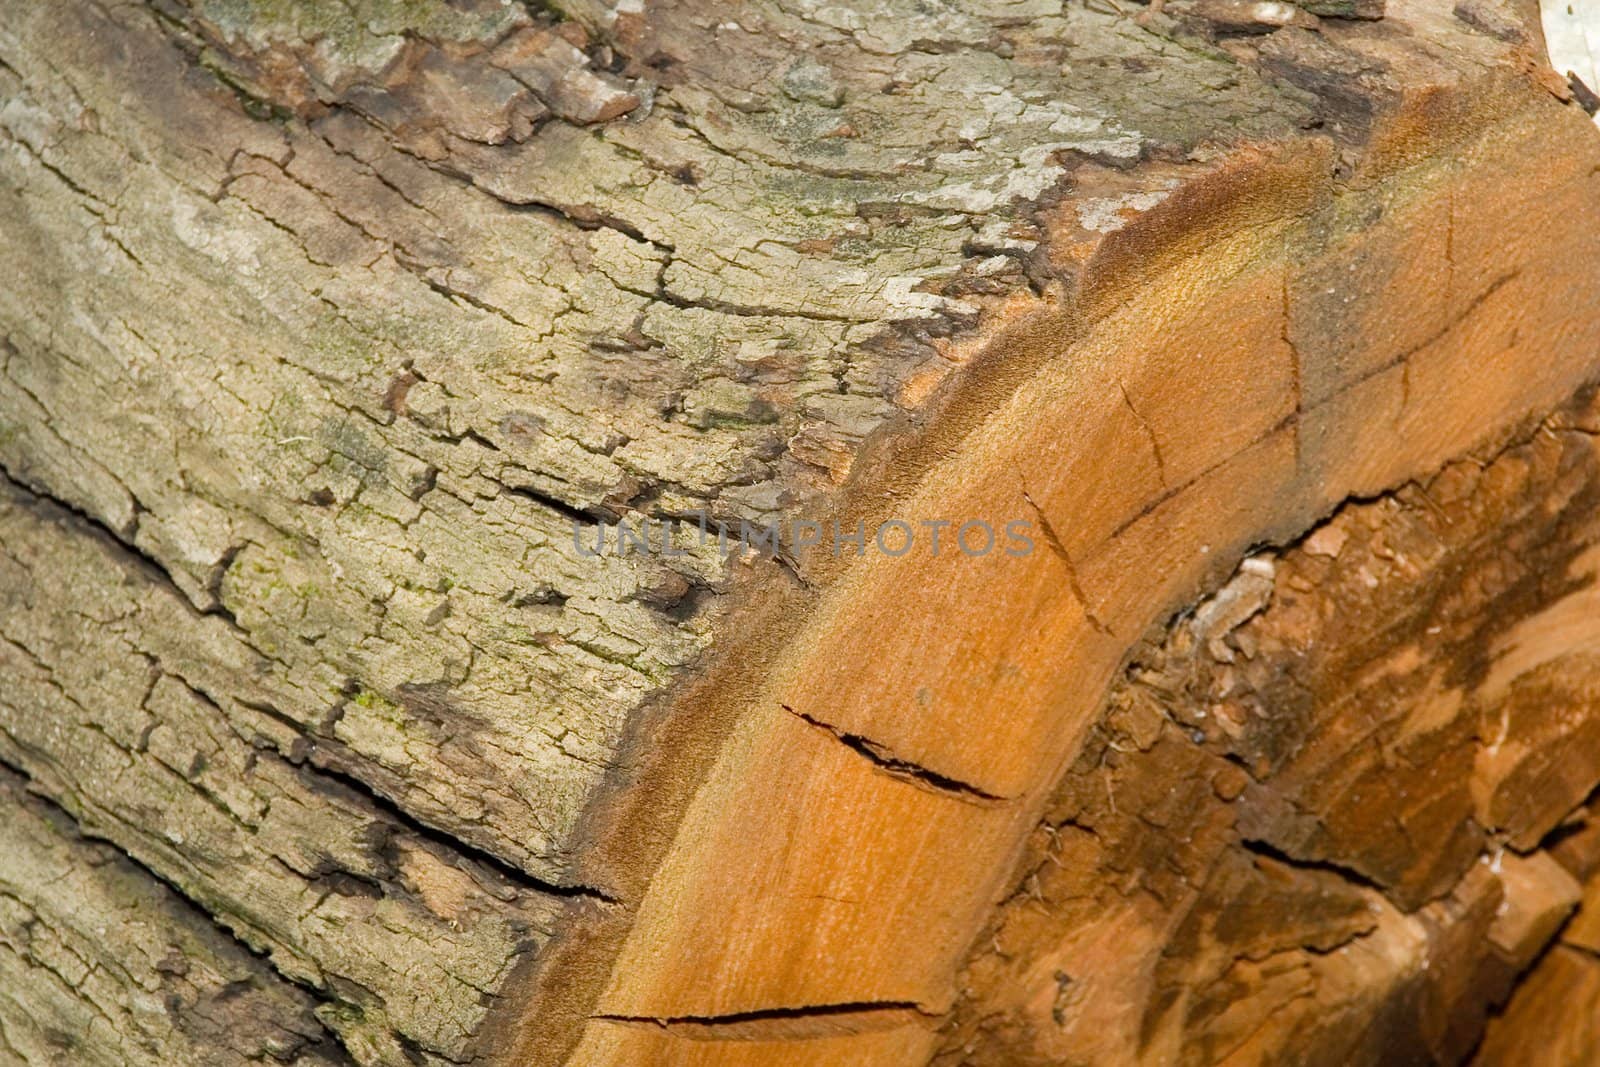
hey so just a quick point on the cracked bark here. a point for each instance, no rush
(333, 329)
(103, 967)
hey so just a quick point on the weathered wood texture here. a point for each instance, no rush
(1551, 1017)
(1318, 823)
(325, 323)
(106, 711)
(99, 965)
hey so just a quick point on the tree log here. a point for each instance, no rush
(783, 533)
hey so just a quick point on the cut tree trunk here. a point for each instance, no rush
(396, 400)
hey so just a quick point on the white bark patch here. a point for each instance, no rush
(1111, 213)
(1572, 35)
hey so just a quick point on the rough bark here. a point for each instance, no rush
(100, 964)
(328, 324)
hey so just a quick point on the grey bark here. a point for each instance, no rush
(102, 965)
